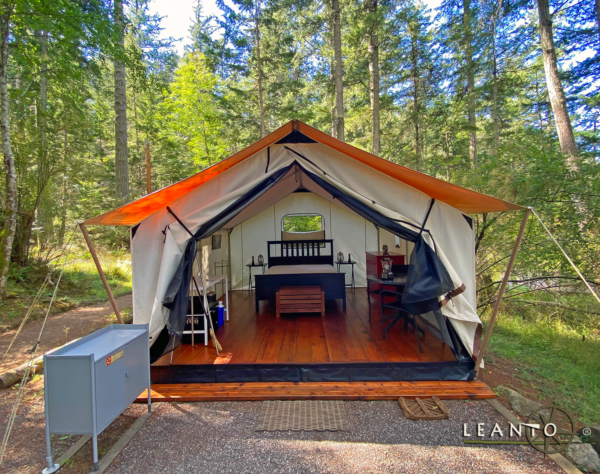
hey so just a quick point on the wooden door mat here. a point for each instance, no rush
(302, 415)
(424, 409)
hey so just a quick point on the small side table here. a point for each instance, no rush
(250, 267)
(351, 284)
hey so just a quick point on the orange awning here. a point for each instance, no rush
(463, 199)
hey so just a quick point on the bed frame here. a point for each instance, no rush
(300, 252)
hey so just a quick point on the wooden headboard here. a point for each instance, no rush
(300, 252)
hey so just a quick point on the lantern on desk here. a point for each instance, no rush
(386, 268)
(340, 257)
(261, 259)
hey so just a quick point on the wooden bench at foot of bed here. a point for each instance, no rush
(301, 299)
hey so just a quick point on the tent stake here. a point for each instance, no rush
(496, 309)
(88, 241)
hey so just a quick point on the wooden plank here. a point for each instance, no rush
(113, 452)
(321, 391)
(335, 333)
(303, 346)
(318, 342)
(287, 351)
(270, 349)
(300, 299)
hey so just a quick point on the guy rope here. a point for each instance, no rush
(21, 390)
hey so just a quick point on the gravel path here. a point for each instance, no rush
(219, 437)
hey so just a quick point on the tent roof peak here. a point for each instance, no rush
(295, 131)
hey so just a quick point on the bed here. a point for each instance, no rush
(300, 263)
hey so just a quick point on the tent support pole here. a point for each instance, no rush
(496, 309)
(88, 241)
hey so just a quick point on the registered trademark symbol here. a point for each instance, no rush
(586, 431)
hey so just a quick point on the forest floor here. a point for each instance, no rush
(80, 285)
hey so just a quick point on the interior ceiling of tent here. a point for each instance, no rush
(463, 199)
(294, 180)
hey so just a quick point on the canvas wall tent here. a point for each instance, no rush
(251, 191)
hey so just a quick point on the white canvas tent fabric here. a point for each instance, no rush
(159, 241)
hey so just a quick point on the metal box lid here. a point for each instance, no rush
(103, 342)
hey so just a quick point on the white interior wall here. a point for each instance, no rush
(210, 257)
(350, 233)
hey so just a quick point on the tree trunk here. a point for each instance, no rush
(10, 211)
(45, 217)
(338, 74)
(63, 204)
(374, 74)
(206, 144)
(539, 103)
(121, 151)
(416, 106)
(470, 82)
(555, 90)
(495, 93)
(259, 70)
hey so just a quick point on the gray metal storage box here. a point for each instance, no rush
(88, 383)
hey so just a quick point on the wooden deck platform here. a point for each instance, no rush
(339, 337)
(309, 357)
(317, 391)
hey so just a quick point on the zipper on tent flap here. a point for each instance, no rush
(179, 220)
(427, 216)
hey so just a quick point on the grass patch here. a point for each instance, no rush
(80, 284)
(126, 315)
(552, 358)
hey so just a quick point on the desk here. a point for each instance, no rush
(398, 282)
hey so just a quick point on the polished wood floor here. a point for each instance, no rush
(251, 338)
(446, 390)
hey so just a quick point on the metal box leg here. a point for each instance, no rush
(50, 466)
(95, 449)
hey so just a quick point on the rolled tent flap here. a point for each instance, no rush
(176, 296)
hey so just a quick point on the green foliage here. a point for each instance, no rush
(302, 223)
(80, 284)
(554, 359)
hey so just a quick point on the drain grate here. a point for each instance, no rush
(302, 415)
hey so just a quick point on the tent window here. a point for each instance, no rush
(301, 223)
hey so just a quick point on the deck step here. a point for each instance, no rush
(446, 390)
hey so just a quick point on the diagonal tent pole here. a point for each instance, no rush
(88, 241)
(501, 291)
